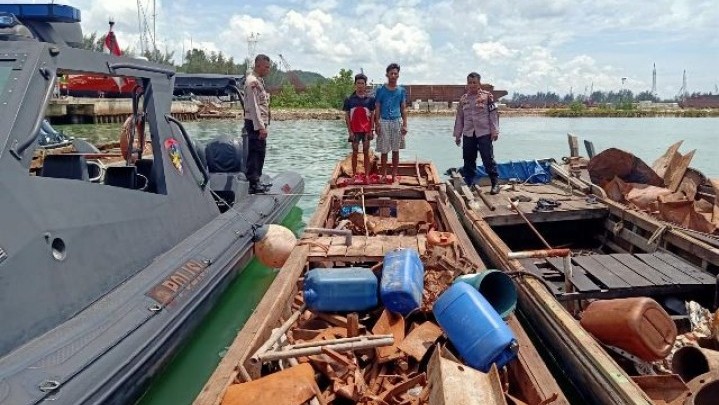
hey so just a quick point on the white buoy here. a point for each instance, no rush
(273, 245)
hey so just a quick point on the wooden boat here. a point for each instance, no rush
(403, 215)
(612, 252)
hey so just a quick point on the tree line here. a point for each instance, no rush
(618, 98)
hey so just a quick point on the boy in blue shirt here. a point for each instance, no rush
(359, 117)
(391, 121)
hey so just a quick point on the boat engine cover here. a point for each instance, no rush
(224, 155)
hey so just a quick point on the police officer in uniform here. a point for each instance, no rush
(476, 126)
(257, 119)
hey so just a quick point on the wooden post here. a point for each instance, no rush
(589, 146)
(573, 145)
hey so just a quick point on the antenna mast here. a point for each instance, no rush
(252, 40)
(654, 81)
(683, 93)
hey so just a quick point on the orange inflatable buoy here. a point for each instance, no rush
(139, 141)
(273, 245)
(436, 238)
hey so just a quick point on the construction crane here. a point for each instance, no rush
(290, 74)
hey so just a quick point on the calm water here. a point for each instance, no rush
(312, 148)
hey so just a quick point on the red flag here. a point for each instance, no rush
(111, 45)
(113, 48)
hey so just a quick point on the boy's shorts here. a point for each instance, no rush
(390, 137)
(359, 137)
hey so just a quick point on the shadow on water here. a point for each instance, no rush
(187, 372)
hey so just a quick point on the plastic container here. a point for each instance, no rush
(475, 328)
(496, 287)
(340, 289)
(638, 325)
(402, 281)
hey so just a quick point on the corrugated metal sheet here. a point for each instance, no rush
(443, 92)
(702, 102)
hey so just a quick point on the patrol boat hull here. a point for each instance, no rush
(103, 278)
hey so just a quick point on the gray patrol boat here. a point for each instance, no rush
(103, 276)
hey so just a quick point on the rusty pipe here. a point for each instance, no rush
(289, 351)
(691, 361)
(539, 254)
(345, 232)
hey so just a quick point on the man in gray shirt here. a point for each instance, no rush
(257, 118)
(476, 126)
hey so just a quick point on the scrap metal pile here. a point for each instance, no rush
(669, 189)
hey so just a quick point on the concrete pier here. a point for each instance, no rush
(80, 110)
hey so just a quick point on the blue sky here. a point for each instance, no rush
(524, 46)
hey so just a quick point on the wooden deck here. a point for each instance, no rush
(572, 206)
(622, 275)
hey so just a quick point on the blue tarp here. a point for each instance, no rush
(529, 171)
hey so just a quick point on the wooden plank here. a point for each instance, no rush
(323, 241)
(409, 242)
(422, 244)
(573, 145)
(579, 276)
(667, 270)
(527, 372)
(338, 247)
(622, 271)
(374, 247)
(686, 267)
(692, 246)
(257, 328)
(589, 146)
(499, 218)
(601, 273)
(641, 268)
(359, 244)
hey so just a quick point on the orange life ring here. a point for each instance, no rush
(436, 238)
(125, 137)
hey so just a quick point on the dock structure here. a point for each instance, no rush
(80, 110)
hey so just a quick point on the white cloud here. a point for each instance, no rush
(492, 52)
(525, 47)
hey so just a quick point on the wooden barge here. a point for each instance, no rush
(417, 367)
(611, 252)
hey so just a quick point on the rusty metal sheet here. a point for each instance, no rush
(414, 211)
(660, 165)
(454, 383)
(420, 339)
(677, 167)
(663, 389)
(292, 386)
(389, 323)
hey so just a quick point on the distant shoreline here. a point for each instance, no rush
(328, 114)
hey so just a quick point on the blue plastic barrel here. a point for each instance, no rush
(340, 289)
(474, 327)
(496, 287)
(402, 281)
